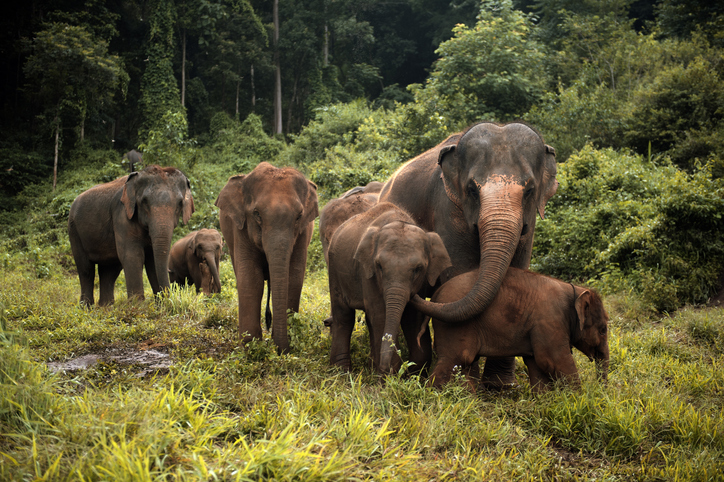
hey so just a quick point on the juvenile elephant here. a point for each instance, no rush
(124, 225)
(480, 190)
(533, 316)
(355, 201)
(195, 258)
(378, 260)
(267, 218)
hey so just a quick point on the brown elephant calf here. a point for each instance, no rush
(533, 316)
(378, 260)
(195, 259)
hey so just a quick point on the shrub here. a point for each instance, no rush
(630, 223)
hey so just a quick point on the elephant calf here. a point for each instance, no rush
(533, 316)
(378, 260)
(195, 258)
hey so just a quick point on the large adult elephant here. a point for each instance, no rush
(480, 190)
(267, 218)
(124, 225)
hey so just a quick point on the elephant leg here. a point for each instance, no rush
(341, 331)
(564, 368)
(539, 380)
(250, 289)
(107, 276)
(420, 352)
(499, 373)
(86, 275)
(442, 372)
(297, 268)
(133, 260)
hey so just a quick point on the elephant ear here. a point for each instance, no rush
(365, 251)
(128, 198)
(550, 183)
(582, 303)
(188, 204)
(439, 258)
(311, 206)
(448, 162)
(231, 199)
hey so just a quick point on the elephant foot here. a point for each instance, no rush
(499, 374)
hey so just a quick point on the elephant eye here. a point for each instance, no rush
(472, 190)
(418, 269)
(299, 216)
(257, 216)
(528, 192)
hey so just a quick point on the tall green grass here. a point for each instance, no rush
(227, 413)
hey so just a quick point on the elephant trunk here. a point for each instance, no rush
(602, 362)
(161, 245)
(279, 256)
(500, 224)
(215, 285)
(395, 301)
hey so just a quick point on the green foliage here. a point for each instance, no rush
(493, 70)
(241, 146)
(632, 224)
(168, 144)
(160, 94)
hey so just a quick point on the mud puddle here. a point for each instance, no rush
(150, 359)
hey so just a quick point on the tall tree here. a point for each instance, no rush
(159, 89)
(72, 73)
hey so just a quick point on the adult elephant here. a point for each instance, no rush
(480, 190)
(267, 218)
(124, 225)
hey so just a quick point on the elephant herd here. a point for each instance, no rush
(455, 224)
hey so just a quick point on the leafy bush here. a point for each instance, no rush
(630, 223)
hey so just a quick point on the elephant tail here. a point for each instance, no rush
(268, 313)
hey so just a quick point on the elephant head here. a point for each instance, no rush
(156, 198)
(590, 334)
(206, 246)
(401, 257)
(273, 209)
(499, 178)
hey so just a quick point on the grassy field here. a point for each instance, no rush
(224, 413)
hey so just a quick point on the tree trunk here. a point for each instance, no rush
(278, 74)
(238, 83)
(55, 160)
(326, 44)
(183, 68)
(253, 91)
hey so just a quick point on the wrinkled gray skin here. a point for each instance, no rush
(267, 218)
(533, 316)
(195, 259)
(378, 260)
(124, 225)
(481, 191)
(355, 201)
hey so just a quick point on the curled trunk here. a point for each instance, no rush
(500, 225)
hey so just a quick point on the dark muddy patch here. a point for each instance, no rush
(149, 359)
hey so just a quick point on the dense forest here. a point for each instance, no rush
(629, 93)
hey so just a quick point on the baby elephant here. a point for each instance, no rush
(195, 258)
(378, 260)
(533, 316)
